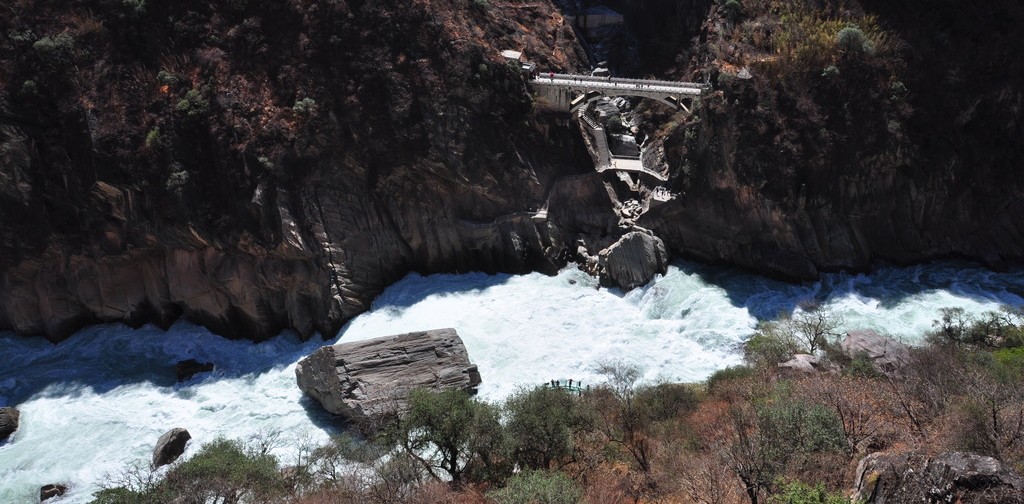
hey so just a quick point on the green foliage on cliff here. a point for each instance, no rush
(732, 10)
(540, 426)
(851, 40)
(193, 105)
(222, 471)
(796, 492)
(55, 49)
(449, 433)
(306, 107)
(538, 487)
(1002, 328)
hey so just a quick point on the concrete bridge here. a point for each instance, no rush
(570, 92)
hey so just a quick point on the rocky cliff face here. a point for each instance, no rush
(810, 157)
(256, 167)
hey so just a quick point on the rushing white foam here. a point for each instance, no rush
(98, 401)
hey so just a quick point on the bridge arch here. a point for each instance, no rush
(585, 98)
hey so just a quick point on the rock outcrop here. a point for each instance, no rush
(47, 492)
(288, 168)
(804, 363)
(170, 446)
(633, 260)
(186, 369)
(363, 379)
(965, 478)
(9, 418)
(410, 154)
(917, 171)
(886, 354)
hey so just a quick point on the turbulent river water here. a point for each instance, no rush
(96, 403)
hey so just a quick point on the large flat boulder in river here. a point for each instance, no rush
(363, 379)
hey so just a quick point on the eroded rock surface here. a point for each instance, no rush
(633, 260)
(186, 369)
(804, 363)
(170, 446)
(965, 478)
(413, 154)
(9, 418)
(363, 379)
(886, 354)
(47, 492)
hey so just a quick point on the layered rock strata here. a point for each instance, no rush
(965, 478)
(365, 379)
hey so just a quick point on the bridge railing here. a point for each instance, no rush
(542, 77)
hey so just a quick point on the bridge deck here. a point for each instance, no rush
(625, 86)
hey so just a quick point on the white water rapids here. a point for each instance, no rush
(97, 402)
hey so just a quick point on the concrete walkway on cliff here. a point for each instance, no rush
(604, 160)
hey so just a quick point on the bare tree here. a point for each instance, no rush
(815, 326)
(622, 419)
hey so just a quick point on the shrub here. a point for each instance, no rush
(176, 181)
(119, 495)
(732, 10)
(898, 90)
(728, 374)
(540, 426)
(449, 431)
(153, 138)
(135, 6)
(538, 487)
(955, 327)
(851, 40)
(798, 426)
(808, 330)
(1011, 360)
(666, 401)
(225, 469)
(862, 367)
(222, 471)
(770, 345)
(55, 50)
(306, 106)
(29, 89)
(166, 78)
(193, 105)
(800, 493)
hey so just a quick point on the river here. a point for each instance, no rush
(97, 402)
